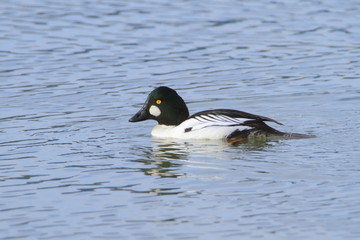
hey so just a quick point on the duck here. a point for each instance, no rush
(165, 106)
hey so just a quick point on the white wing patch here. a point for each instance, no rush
(207, 126)
(211, 120)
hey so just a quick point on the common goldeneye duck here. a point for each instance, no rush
(170, 111)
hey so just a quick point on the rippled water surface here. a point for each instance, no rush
(73, 72)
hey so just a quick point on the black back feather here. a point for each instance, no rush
(235, 114)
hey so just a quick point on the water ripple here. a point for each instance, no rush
(72, 74)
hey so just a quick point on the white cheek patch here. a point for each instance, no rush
(155, 111)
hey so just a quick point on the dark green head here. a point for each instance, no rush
(163, 105)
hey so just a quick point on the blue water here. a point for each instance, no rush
(73, 73)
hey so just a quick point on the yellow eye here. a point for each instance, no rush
(158, 101)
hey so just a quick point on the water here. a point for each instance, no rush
(73, 73)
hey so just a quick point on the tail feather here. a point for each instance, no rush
(297, 136)
(263, 131)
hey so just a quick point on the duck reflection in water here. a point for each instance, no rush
(160, 160)
(167, 158)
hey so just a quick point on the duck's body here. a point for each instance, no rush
(216, 124)
(166, 107)
(195, 132)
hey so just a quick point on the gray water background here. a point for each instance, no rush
(73, 72)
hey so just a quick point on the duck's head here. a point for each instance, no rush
(163, 105)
